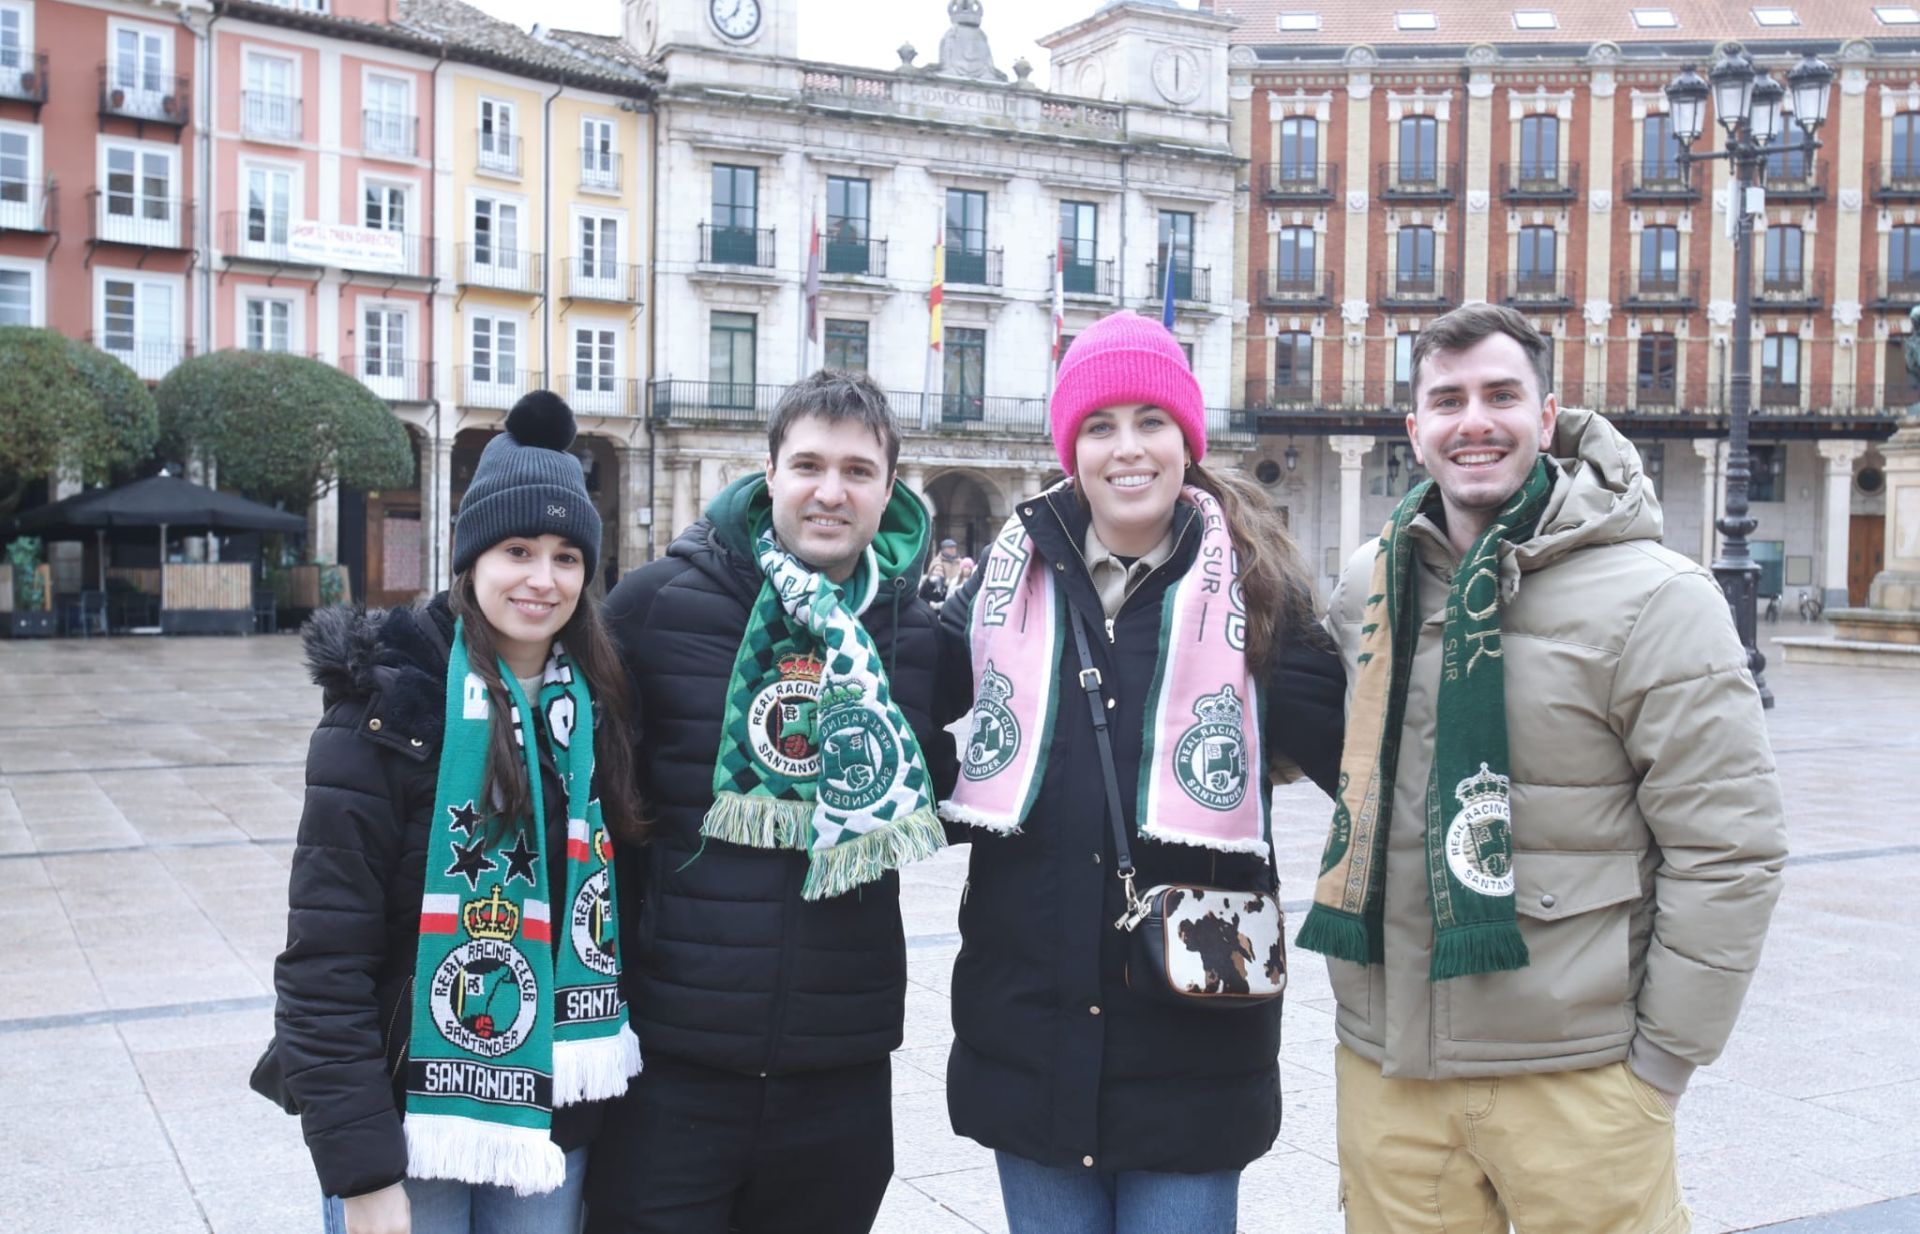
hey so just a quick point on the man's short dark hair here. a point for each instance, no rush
(836, 395)
(1466, 327)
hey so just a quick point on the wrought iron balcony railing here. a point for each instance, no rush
(392, 377)
(736, 246)
(854, 258)
(1539, 181)
(129, 91)
(1283, 288)
(496, 386)
(1289, 181)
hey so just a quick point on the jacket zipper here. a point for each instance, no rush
(406, 1000)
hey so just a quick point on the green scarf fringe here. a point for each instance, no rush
(850, 863)
(1342, 935)
(1487, 947)
(759, 822)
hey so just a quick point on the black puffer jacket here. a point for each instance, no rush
(1054, 1059)
(726, 965)
(353, 903)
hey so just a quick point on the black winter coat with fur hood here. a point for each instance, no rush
(344, 1013)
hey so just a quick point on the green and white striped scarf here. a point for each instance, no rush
(507, 1025)
(814, 754)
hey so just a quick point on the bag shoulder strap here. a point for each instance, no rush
(1097, 704)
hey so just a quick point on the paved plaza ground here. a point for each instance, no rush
(149, 792)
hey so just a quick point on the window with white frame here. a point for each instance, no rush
(137, 323)
(383, 350)
(16, 297)
(21, 196)
(140, 71)
(138, 205)
(499, 138)
(388, 120)
(596, 270)
(596, 369)
(16, 49)
(599, 160)
(269, 211)
(384, 208)
(269, 104)
(496, 259)
(493, 360)
(269, 324)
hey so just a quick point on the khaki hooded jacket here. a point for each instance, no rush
(1648, 828)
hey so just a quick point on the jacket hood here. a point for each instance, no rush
(399, 654)
(1601, 493)
(899, 550)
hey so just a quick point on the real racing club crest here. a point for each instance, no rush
(859, 755)
(996, 734)
(591, 920)
(1479, 843)
(1211, 759)
(482, 995)
(781, 719)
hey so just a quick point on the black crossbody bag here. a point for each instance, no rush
(1189, 944)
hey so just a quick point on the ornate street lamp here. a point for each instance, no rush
(1748, 104)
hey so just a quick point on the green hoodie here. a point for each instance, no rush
(742, 510)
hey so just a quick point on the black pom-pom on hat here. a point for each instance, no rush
(542, 419)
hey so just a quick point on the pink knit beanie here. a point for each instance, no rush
(1125, 358)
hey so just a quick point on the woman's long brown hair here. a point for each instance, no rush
(592, 652)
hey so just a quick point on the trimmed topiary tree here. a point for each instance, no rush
(65, 406)
(282, 428)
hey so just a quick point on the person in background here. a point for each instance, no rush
(943, 574)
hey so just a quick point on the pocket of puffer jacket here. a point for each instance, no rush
(1575, 912)
(1352, 988)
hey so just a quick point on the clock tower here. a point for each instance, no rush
(756, 27)
(1153, 53)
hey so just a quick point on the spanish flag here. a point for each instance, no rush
(937, 292)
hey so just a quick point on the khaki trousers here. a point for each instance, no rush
(1567, 1152)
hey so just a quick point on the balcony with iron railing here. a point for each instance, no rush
(737, 246)
(138, 221)
(497, 153)
(1286, 181)
(596, 394)
(1085, 278)
(600, 171)
(616, 282)
(1416, 289)
(1897, 289)
(1295, 393)
(393, 378)
(267, 115)
(249, 236)
(1807, 182)
(1659, 180)
(1539, 181)
(713, 402)
(28, 205)
(1538, 289)
(1673, 290)
(23, 78)
(389, 134)
(1418, 180)
(149, 358)
(1291, 289)
(975, 267)
(500, 268)
(1895, 181)
(851, 258)
(1191, 284)
(129, 92)
(1789, 287)
(964, 413)
(495, 386)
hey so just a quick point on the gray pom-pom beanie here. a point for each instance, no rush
(526, 484)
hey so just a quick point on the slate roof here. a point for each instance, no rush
(1577, 22)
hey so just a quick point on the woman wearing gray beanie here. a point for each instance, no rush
(449, 1017)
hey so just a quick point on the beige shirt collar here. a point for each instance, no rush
(1112, 578)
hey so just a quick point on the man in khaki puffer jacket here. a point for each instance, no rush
(1647, 835)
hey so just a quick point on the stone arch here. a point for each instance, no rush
(967, 506)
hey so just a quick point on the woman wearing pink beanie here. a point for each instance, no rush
(1111, 1110)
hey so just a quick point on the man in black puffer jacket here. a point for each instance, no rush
(765, 1019)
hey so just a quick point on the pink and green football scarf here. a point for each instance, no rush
(1200, 766)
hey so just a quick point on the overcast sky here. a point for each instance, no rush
(858, 32)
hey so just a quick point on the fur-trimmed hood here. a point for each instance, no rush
(394, 660)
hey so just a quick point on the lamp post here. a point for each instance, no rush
(1747, 103)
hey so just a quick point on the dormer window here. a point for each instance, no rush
(1299, 22)
(1776, 17)
(1655, 19)
(1534, 19)
(1416, 19)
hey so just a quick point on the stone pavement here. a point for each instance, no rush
(149, 792)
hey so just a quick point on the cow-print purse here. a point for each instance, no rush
(1188, 944)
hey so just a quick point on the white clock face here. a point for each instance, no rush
(737, 19)
(1176, 74)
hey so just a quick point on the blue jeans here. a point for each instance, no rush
(1041, 1199)
(441, 1206)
